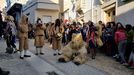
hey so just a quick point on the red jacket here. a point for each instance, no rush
(120, 35)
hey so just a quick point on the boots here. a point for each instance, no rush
(56, 52)
(41, 51)
(37, 51)
(22, 54)
(26, 54)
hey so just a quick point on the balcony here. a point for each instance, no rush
(108, 3)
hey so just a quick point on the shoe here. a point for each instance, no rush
(2, 72)
(124, 64)
(131, 67)
(21, 57)
(36, 54)
(27, 55)
(55, 54)
(59, 53)
(93, 57)
(41, 53)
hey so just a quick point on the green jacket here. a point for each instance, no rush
(130, 36)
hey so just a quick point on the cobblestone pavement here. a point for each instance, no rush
(102, 65)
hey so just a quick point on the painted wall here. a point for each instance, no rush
(125, 13)
(41, 13)
(92, 11)
(44, 7)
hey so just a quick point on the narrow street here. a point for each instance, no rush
(47, 64)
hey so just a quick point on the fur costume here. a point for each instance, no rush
(23, 33)
(56, 44)
(74, 50)
(39, 35)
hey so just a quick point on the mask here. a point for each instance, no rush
(40, 21)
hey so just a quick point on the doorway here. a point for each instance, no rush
(110, 14)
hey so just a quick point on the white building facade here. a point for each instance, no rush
(47, 10)
(76, 10)
(69, 10)
(125, 12)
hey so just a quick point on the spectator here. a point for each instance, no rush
(11, 34)
(121, 40)
(65, 34)
(130, 36)
(71, 31)
(84, 31)
(108, 39)
(131, 58)
(91, 40)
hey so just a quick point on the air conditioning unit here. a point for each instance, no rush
(123, 0)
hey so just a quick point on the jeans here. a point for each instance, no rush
(131, 57)
(122, 49)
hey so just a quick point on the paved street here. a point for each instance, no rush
(47, 64)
